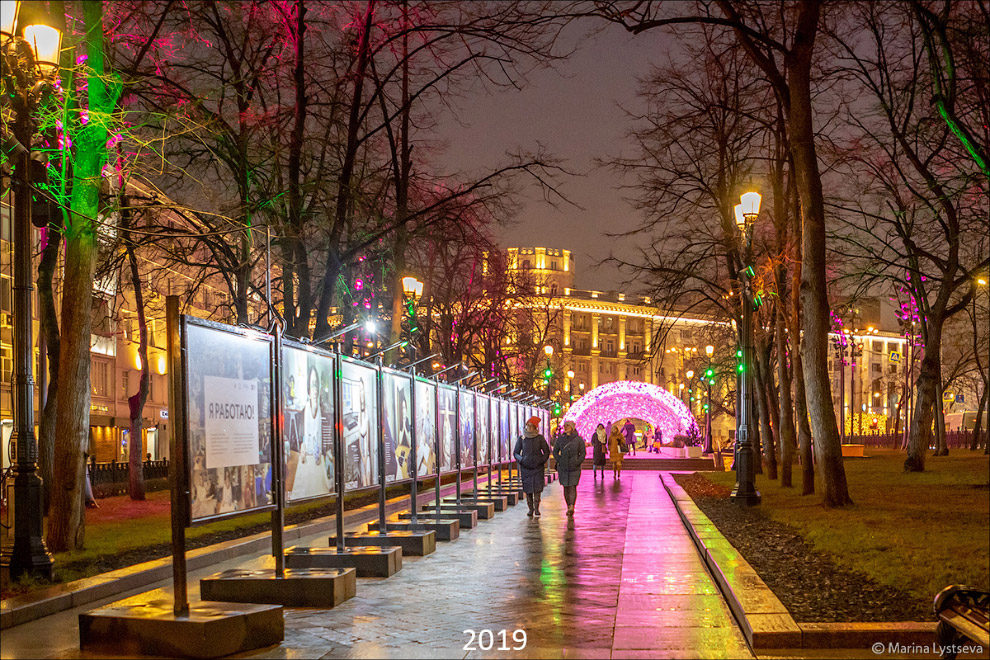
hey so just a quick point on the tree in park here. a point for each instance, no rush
(65, 522)
(712, 124)
(782, 44)
(919, 215)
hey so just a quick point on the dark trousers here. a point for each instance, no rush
(570, 495)
(533, 500)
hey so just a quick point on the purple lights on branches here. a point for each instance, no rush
(614, 401)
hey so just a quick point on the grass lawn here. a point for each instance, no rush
(918, 532)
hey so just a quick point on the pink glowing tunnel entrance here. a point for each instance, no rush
(625, 398)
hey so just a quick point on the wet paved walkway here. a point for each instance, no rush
(621, 579)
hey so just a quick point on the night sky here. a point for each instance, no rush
(574, 111)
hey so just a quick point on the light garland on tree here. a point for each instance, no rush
(616, 401)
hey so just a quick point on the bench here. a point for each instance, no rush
(963, 616)
(853, 450)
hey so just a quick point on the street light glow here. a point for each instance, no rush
(750, 205)
(46, 42)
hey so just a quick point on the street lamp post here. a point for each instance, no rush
(744, 491)
(709, 381)
(548, 349)
(28, 64)
(570, 387)
(412, 291)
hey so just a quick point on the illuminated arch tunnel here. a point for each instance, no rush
(614, 401)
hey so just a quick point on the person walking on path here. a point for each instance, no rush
(569, 451)
(532, 453)
(599, 445)
(615, 442)
(629, 430)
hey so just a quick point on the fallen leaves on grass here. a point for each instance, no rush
(809, 584)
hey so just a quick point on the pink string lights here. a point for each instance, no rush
(615, 401)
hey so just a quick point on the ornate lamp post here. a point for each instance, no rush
(29, 64)
(745, 491)
(548, 372)
(709, 381)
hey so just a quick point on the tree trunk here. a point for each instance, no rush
(48, 317)
(295, 253)
(788, 441)
(766, 432)
(813, 280)
(800, 401)
(941, 448)
(344, 181)
(978, 425)
(66, 524)
(926, 392)
(136, 401)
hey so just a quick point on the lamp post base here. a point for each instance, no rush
(24, 551)
(747, 497)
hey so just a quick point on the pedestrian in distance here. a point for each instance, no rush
(629, 431)
(569, 451)
(599, 447)
(615, 451)
(532, 453)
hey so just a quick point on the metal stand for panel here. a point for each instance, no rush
(439, 443)
(278, 464)
(413, 486)
(338, 423)
(457, 440)
(380, 394)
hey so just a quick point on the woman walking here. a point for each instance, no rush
(532, 453)
(569, 451)
(599, 445)
(629, 431)
(615, 443)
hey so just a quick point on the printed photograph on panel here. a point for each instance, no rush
(504, 436)
(307, 431)
(360, 416)
(467, 428)
(398, 427)
(426, 428)
(481, 427)
(229, 427)
(493, 438)
(448, 425)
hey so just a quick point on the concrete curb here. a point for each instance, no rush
(36, 605)
(764, 620)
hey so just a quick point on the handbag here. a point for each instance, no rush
(623, 447)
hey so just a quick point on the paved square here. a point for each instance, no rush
(621, 579)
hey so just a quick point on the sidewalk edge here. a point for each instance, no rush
(59, 598)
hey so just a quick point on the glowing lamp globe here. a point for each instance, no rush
(750, 205)
(8, 18)
(740, 218)
(46, 42)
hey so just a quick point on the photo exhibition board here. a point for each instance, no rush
(493, 428)
(307, 422)
(481, 409)
(426, 427)
(359, 413)
(228, 394)
(504, 436)
(467, 427)
(447, 406)
(397, 415)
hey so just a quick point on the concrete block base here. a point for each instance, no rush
(210, 630)
(512, 497)
(446, 530)
(501, 503)
(301, 587)
(412, 543)
(465, 518)
(368, 561)
(486, 510)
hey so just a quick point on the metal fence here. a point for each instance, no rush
(113, 478)
(953, 440)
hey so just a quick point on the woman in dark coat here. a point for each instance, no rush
(599, 445)
(532, 453)
(569, 450)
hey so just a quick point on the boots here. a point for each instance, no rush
(529, 501)
(536, 504)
